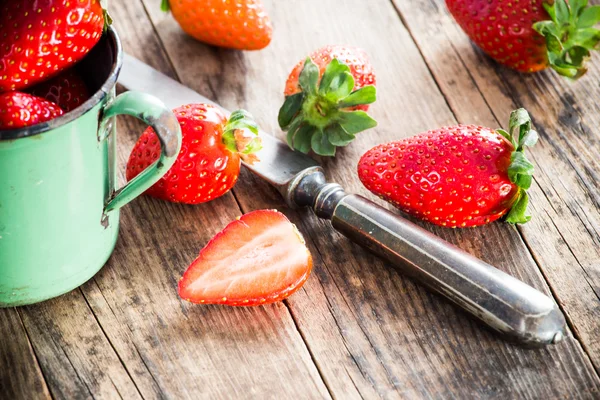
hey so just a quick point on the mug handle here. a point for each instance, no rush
(154, 113)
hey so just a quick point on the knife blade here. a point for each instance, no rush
(514, 309)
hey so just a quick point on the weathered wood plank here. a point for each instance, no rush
(174, 349)
(20, 374)
(370, 331)
(76, 358)
(564, 233)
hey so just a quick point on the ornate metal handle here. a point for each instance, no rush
(501, 301)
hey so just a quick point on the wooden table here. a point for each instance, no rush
(357, 328)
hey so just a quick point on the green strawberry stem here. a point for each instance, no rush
(240, 135)
(520, 171)
(319, 117)
(570, 35)
(107, 20)
(164, 5)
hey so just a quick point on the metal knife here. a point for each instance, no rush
(512, 308)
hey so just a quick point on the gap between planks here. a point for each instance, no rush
(570, 322)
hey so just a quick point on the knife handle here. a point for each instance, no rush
(504, 303)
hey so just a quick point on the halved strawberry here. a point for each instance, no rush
(258, 259)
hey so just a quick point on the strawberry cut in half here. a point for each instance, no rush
(258, 259)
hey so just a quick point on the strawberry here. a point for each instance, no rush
(208, 164)
(326, 99)
(236, 24)
(68, 90)
(531, 35)
(258, 259)
(456, 176)
(41, 38)
(18, 110)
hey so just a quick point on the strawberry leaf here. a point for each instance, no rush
(164, 5)
(507, 136)
(302, 139)
(337, 136)
(364, 95)
(241, 119)
(291, 106)
(356, 121)
(530, 138)
(293, 128)
(252, 147)
(589, 17)
(518, 213)
(321, 145)
(234, 136)
(587, 38)
(577, 6)
(570, 35)
(341, 86)
(520, 170)
(309, 77)
(562, 12)
(333, 71)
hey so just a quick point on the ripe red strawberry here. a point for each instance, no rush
(236, 24)
(40, 38)
(258, 259)
(68, 90)
(326, 99)
(532, 35)
(456, 176)
(18, 110)
(208, 164)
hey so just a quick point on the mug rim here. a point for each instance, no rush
(107, 86)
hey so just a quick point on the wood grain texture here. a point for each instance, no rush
(357, 329)
(564, 235)
(20, 374)
(174, 349)
(76, 358)
(370, 331)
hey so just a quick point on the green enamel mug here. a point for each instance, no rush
(59, 204)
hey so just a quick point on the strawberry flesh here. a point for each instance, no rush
(258, 259)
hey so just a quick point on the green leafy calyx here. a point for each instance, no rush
(240, 135)
(570, 35)
(319, 117)
(164, 5)
(107, 20)
(520, 171)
